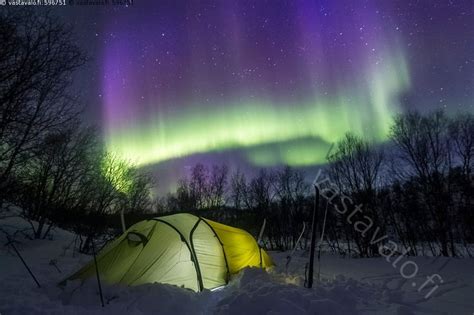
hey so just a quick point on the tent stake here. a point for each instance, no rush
(122, 220)
(97, 273)
(10, 242)
(321, 242)
(260, 235)
(288, 258)
(313, 238)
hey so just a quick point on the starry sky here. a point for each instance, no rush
(260, 83)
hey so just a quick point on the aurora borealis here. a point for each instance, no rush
(254, 123)
(272, 82)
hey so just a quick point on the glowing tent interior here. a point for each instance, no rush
(180, 249)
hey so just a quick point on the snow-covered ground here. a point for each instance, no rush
(346, 286)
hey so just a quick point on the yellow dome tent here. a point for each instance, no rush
(180, 249)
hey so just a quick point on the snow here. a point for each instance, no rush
(346, 286)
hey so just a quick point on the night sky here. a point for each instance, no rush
(264, 83)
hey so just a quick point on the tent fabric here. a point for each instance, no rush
(240, 247)
(180, 249)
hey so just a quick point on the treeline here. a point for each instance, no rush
(416, 190)
(54, 169)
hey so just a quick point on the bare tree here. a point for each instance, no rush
(290, 190)
(216, 188)
(461, 132)
(101, 194)
(356, 164)
(185, 198)
(422, 144)
(50, 181)
(38, 57)
(198, 185)
(289, 185)
(136, 198)
(239, 190)
(260, 189)
(424, 153)
(356, 167)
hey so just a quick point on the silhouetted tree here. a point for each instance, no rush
(50, 180)
(423, 151)
(198, 185)
(238, 190)
(290, 191)
(217, 187)
(38, 58)
(355, 167)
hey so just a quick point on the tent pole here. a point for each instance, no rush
(313, 237)
(10, 242)
(288, 258)
(122, 220)
(97, 273)
(321, 242)
(262, 229)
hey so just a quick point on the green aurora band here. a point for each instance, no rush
(293, 134)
